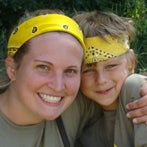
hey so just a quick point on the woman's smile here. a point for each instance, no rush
(50, 99)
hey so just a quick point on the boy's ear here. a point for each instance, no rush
(133, 61)
(10, 68)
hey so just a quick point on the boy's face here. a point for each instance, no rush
(102, 81)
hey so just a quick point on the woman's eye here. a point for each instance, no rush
(71, 71)
(43, 67)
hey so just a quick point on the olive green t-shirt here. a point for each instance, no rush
(115, 127)
(46, 134)
(126, 133)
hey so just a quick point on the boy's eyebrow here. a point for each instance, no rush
(90, 64)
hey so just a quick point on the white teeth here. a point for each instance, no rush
(51, 99)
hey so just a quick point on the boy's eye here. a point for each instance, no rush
(87, 70)
(111, 66)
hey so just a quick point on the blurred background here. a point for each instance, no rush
(12, 10)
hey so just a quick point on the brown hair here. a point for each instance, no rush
(98, 23)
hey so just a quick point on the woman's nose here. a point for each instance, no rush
(57, 82)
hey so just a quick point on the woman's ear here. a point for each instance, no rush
(10, 68)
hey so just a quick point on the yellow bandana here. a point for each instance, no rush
(98, 49)
(42, 24)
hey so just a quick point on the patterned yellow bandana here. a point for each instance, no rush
(98, 49)
(42, 24)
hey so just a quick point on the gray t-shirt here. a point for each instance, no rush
(128, 134)
(115, 127)
(46, 134)
(99, 133)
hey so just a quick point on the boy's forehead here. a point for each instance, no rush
(115, 59)
(98, 49)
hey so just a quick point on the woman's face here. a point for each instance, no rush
(48, 79)
(102, 81)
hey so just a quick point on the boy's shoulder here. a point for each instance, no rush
(134, 80)
(131, 88)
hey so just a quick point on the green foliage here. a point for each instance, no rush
(137, 10)
(12, 10)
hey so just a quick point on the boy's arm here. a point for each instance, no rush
(131, 134)
(138, 108)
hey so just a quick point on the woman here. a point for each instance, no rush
(45, 54)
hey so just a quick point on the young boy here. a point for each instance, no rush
(108, 80)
